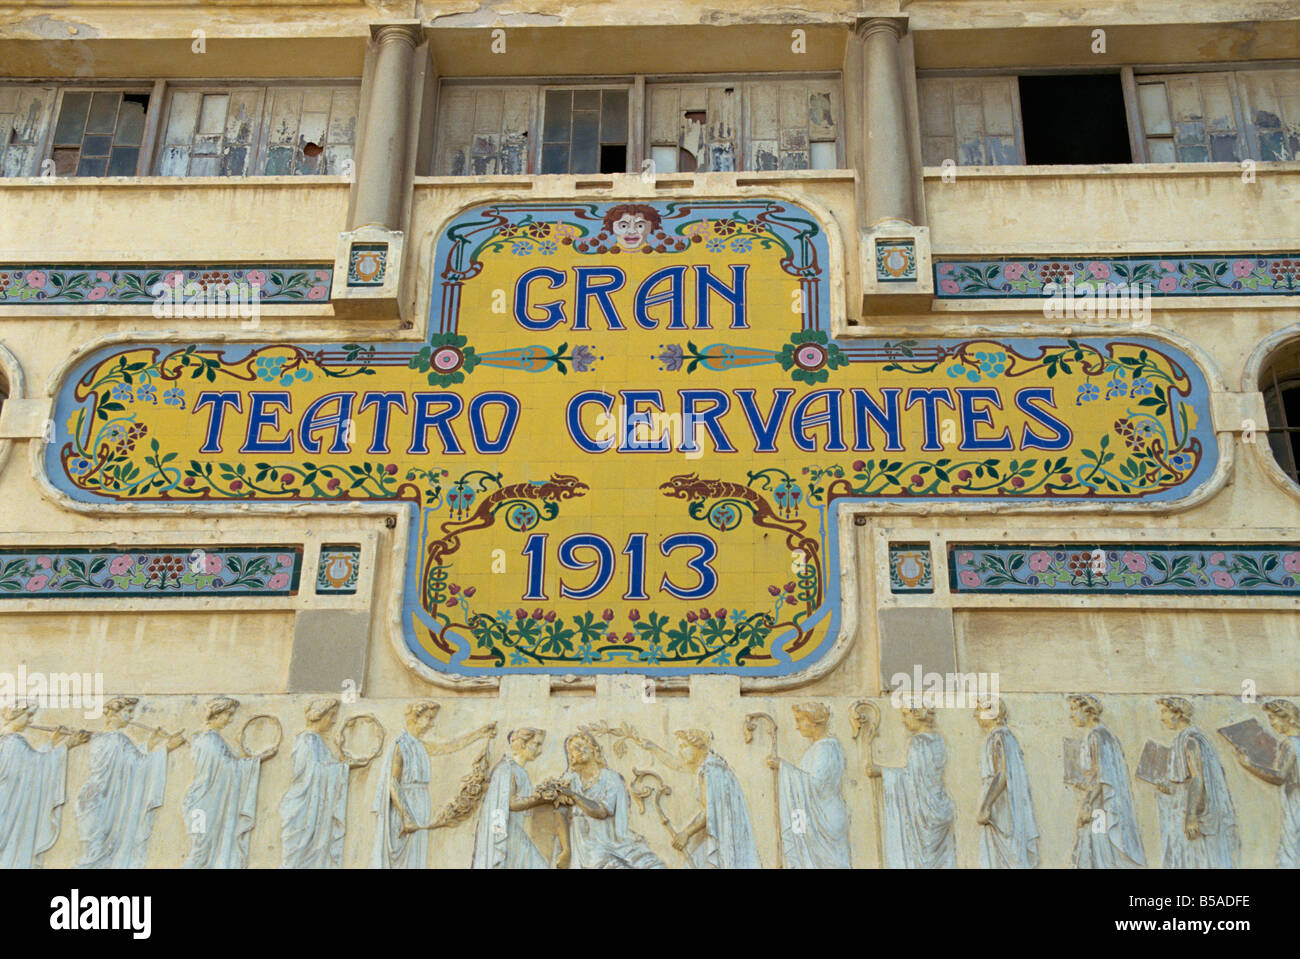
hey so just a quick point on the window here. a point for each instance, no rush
(1280, 384)
(1220, 117)
(24, 122)
(284, 129)
(755, 124)
(1224, 116)
(99, 132)
(281, 130)
(585, 131)
(973, 121)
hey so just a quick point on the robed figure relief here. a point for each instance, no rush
(117, 804)
(501, 839)
(1198, 824)
(402, 806)
(1008, 826)
(32, 783)
(720, 836)
(1107, 835)
(596, 806)
(1280, 767)
(814, 817)
(220, 807)
(314, 810)
(919, 813)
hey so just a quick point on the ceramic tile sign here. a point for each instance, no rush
(629, 434)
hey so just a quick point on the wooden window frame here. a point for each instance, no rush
(147, 139)
(159, 111)
(259, 147)
(638, 119)
(1130, 76)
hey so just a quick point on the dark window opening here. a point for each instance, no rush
(1280, 384)
(613, 158)
(1074, 119)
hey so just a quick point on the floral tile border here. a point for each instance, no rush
(910, 568)
(1012, 277)
(1176, 568)
(339, 570)
(57, 285)
(156, 572)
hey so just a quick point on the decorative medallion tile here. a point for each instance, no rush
(910, 568)
(367, 264)
(339, 569)
(895, 260)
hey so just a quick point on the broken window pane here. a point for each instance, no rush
(280, 130)
(90, 124)
(577, 126)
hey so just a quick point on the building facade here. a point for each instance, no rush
(542, 435)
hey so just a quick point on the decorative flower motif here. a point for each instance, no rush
(1243, 268)
(37, 583)
(583, 359)
(1142, 387)
(1223, 580)
(121, 565)
(1087, 393)
(36, 279)
(949, 286)
(122, 393)
(1167, 284)
(968, 578)
(1291, 562)
(256, 278)
(1040, 562)
(742, 244)
(1136, 562)
(278, 581)
(98, 293)
(810, 355)
(671, 357)
(79, 466)
(1012, 271)
(147, 393)
(547, 247)
(1099, 270)
(213, 564)
(715, 245)
(175, 397)
(446, 358)
(318, 293)
(521, 248)
(1116, 387)
(1180, 461)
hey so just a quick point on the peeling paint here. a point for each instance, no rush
(49, 27)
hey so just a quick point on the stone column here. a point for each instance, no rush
(888, 184)
(381, 169)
